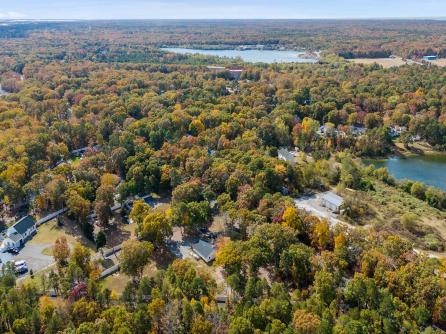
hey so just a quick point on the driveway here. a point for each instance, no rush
(32, 254)
(313, 205)
(180, 246)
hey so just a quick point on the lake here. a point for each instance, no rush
(429, 169)
(251, 56)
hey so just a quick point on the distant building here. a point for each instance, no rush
(430, 58)
(396, 131)
(205, 250)
(19, 233)
(415, 138)
(288, 156)
(357, 130)
(328, 130)
(216, 68)
(81, 151)
(235, 73)
(332, 201)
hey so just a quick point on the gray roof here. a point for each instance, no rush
(24, 224)
(204, 249)
(15, 237)
(332, 198)
(283, 153)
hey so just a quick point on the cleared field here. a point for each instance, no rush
(390, 204)
(49, 232)
(384, 62)
(439, 62)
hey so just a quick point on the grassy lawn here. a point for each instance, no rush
(46, 235)
(50, 232)
(390, 203)
(418, 148)
(37, 280)
(384, 62)
(118, 281)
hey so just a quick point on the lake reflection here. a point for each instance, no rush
(429, 169)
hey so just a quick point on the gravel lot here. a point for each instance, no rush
(313, 205)
(179, 246)
(32, 254)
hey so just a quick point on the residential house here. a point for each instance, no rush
(288, 156)
(357, 130)
(19, 233)
(205, 250)
(396, 131)
(235, 73)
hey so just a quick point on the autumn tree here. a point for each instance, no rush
(61, 251)
(155, 228)
(139, 211)
(306, 322)
(134, 256)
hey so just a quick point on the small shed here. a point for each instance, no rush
(205, 250)
(332, 201)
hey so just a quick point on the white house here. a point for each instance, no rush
(396, 131)
(19, 233)
(332, 201)
(288, 156)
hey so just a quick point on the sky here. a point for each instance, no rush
(221, 9)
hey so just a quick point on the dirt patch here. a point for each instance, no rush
(218, 224)
(439, 62)
(384, 62)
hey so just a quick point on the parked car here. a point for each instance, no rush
(20, 267)
(21, 270)
(13, 250)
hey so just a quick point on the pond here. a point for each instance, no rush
(252, 56)
(429, 169)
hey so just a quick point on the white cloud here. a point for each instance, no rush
(11, 15)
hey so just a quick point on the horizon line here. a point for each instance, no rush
(227, 19)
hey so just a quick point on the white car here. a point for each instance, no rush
(20, 263)
(21, 267)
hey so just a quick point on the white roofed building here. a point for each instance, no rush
(332, 201)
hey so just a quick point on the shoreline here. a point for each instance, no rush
(416, 149)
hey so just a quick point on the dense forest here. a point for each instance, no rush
(152, 122)
(349, 38)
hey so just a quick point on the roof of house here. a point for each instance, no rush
(24, 224)
(283, 153)
(332, 198)
(15, 237)
(204, 249)
(216, 67)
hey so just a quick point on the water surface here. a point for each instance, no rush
(429, 169)
(251, 56)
